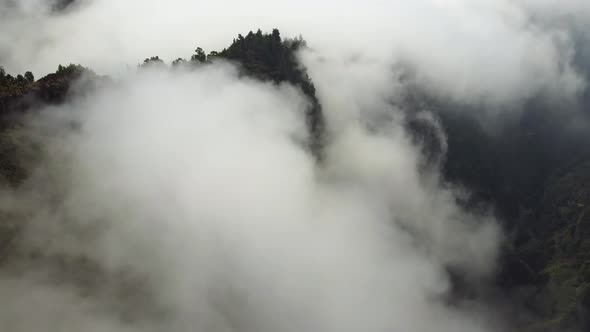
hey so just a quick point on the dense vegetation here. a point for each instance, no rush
(534, 171)
(13, 85)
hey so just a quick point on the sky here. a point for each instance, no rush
(498, 51)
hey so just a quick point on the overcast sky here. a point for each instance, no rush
(494, 49)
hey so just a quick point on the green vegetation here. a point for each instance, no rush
(567, 238)
(10, 85)
(199, 56)
(153, 61)
(71, 69)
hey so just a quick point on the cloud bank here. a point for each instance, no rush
(185, 201)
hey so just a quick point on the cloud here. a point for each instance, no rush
(478, 50)
(186, 201)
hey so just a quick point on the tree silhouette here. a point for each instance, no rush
(29, 77)
(199, 56)
(178, 62)
(152, 61)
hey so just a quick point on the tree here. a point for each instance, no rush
(268, 57)
(212, 55)
(72, 69)
(178, 62)
(152, 61)
(199, 55)
(276, 36)
(2, 76)
(29, 77)
(20, 79)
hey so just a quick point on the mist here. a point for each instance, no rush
(495, 52)
(217, 217)
(186, 199)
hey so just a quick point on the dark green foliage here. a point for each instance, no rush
(19, 96)
(199, 56)
(562, 241)
(533, 168)
(20, 79)
(265, 56)
(10, 85)
(71, 69)
(178, 62)
(152, 61)
(54, 88)
(212, 55)
(506, 163)
(20, 93)
(268, 57)
(29, 77)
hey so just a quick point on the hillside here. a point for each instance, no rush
(534, 173)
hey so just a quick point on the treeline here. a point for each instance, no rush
(12, 85)
(264, 56)
(17, 85)
(268, 57)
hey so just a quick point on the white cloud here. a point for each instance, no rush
(196, 186)
(473, 50)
